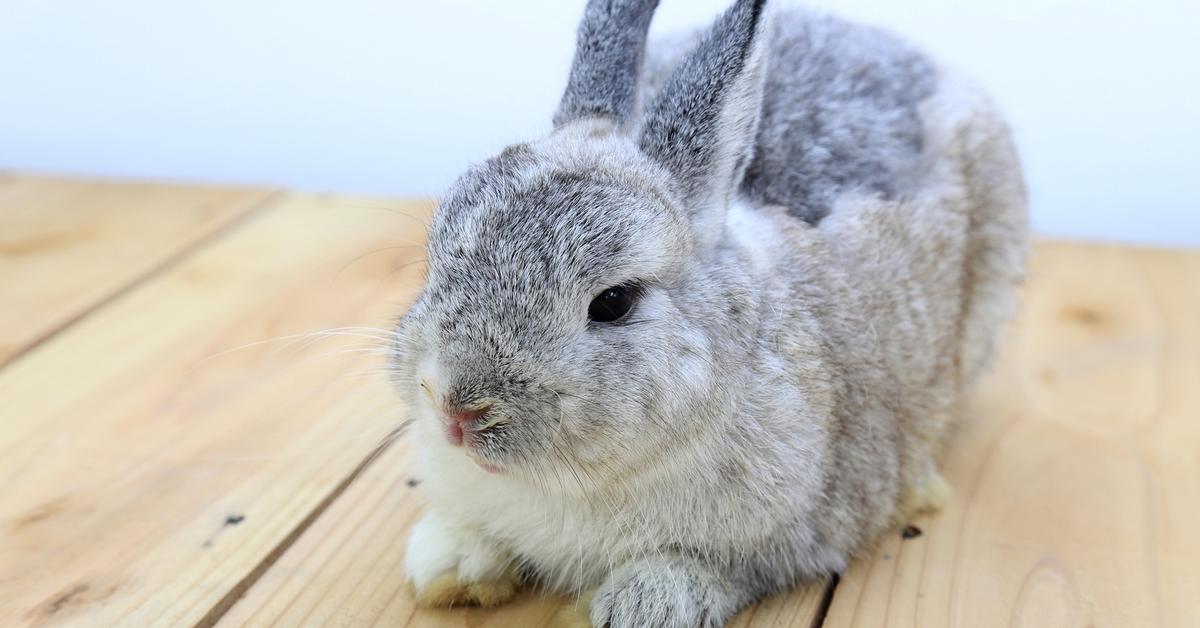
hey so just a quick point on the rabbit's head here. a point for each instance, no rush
(579, 320)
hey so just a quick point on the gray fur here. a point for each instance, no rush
(839, 115)
(608, 60)
(839, 111)
(682, 129)
(779, 395)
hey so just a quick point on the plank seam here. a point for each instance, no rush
(238, 590)
(826, 601)
(154, 271)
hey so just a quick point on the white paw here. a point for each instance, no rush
(448, 566)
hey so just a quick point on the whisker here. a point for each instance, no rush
(354, 332)
(386, 209)
(347, 265)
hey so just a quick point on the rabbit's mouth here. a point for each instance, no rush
(487, 465)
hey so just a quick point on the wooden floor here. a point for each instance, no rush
(194, 422)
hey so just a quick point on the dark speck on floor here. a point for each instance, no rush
(233, 520)
(910, 532)
(412, 482)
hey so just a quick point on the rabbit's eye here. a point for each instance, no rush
(612, 304)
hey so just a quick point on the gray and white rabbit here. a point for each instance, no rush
(706, 339)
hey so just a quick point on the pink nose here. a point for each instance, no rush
(460, 420)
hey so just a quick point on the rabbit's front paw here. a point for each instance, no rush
(650, 594)
(447, 566)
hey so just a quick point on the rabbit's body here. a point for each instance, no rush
(809, 321)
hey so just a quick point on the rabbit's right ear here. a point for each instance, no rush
(703, 123)
(608, 60)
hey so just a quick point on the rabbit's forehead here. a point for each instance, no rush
(569, 182)
(561, 230)
(518, 213)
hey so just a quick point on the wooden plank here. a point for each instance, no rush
(66, 245)
(148, 470)
(1078, 476)
(348, 570)
(800, 609)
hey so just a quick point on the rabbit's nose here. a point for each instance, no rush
(464, 417)
(462, 421)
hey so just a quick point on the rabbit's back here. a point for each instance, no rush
(840, 112)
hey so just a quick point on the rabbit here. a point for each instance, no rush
(709, 337)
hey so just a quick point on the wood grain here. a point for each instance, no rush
(150, 465)
(1077, 479)
(66, 245)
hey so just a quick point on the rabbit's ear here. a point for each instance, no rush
(608, 60)
(702, 125)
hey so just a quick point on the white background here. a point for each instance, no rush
(396, 96)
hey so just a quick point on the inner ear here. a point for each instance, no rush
(703, 123)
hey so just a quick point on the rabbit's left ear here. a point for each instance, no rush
(702, 125)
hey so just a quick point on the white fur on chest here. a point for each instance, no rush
(574, 542)
(558, 535)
